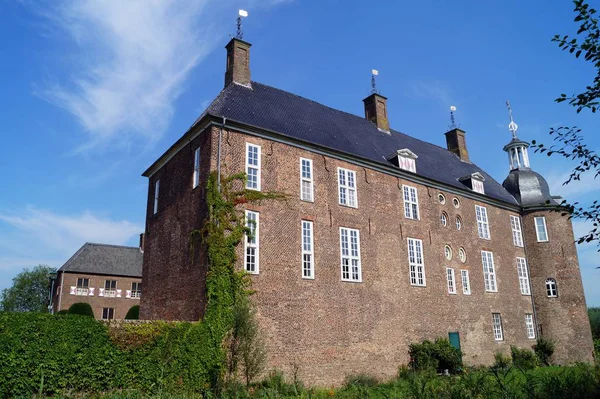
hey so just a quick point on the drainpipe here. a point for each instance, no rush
(62, 284)
(219, 154)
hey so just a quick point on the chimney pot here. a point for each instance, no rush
(238, 62)
(456, 143)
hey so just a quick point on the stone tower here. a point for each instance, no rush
(559, 301)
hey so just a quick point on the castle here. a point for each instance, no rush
(385, 239)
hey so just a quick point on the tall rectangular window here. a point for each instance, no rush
(489, 271)
(497, 325)
(451, 281)
(515, 224)
(411, 202)
(253, 166)
(415, 262)
(110, 288)
(483, 227)
(540, 229)
(529, 326)
(347, 187)
(306, 180)
(136, 290)
(308, 255)
(466, 284)
(196, 180)
(350, 254)
(83, 285)
(523, 276)
(251, 243)
(108, 313)
(156, 190)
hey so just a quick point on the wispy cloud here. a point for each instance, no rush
(432, 90)
(575, 190)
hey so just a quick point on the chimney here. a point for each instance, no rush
(456, 143)
(142, 242)
(238, 62)
(376, 111)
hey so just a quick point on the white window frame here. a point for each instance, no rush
(515, 224)
(462, 255)
(196, 177)
(109, 314)
(451, 280)
(137, 293)
(346, 254)
(483, 224)
(489, 271)
(537, 232)
(466, 283)
(84, 289)
(551, 288)
(417, 263)
(250, 166)
(156, 193)
(110, 292)
(308, 180)
(443, 219)
(458, 223)
(523, 276)
(347, 193)
(308, 249)
(529, 326)
(253, 242)
(497, 327)
(411, 206)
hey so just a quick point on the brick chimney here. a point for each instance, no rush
(376, 111)
(456, 143)
(238, 62)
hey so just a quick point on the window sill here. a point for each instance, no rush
(309, 201)
(418, 285)
(349, 206)
(351, 281)
(543, 241)
(308, 278)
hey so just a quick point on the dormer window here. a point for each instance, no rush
(404, 159)
(475, 182)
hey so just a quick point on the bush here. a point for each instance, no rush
(64, 311)
(523, 358)
(82, 309)
(594, 315)
(597, 349)
(501, 361)
(438, 355)
(133, 313)
(544, 349)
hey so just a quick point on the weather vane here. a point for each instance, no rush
(452, 120)
(374, 72)
(512, 126)
(240, 33)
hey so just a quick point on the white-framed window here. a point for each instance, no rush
(456, 202)
(489, 271)
(483, 227)
(110, 288)
(462, 255)
(529, 326)
(306, 180)
(523, 276)
(497, 325)
(347, 187)
(82, 287)
(451, 281)
(441, 198)
(253, 166)
(416, 263)
(444, 219)
(466, 283)
(251, 243)
(108, 313)
(448, 252)
(308, 254)
(515, 224)
(551, 288)
(136, 290)
(156, 191)
(540, 229)
(350, 254)
(196, 179)
(411, 202)
(458, 223)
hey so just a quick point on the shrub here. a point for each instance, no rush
(362, 380)
(594, 315)
(597, 349)
(544, 349)
(501, 361)
(133, 313)
(438, 355)
(82, 309)
(64, 311)
(523, 358)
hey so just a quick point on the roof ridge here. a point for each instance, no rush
(73, 257)
(110, 245)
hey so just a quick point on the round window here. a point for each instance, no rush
(462, 255)
(458, 223)
(455, 202)
(448, 252)
(441, 198)
(444, 219)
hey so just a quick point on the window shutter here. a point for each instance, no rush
(119, 293)
(101, 293)
(128, 294)
(91, 292)
(73, 290)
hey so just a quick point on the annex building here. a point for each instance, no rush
(385, 239)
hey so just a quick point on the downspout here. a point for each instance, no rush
(62, 281)
(219, 154)
(535, 319)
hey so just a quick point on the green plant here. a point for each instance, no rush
(594, 315)
(544, 349)
(133, 313)
(435, 355)
(501, 361)
(363, 380)
(64, 311)
(523, 359)
(29, 291)
(82, 309)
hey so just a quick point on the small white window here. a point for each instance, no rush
(196, 168)
(458, 223)
(483, 227)
(415, 261)
(110, 288)
(253, 166)
(108, 313)
(451, 281)
(347, 187)
(448, 252)
(540, 229)
(551, 288)
(497, 324)
(251, 242)
(136, 290)
(515, 224)
(523, 276)
(308, 255)
(411, 202)
(489, 271)
(350, 254)
(529, 326)
(462, 255)
(441, 198)
(466, 284)
(83, 285)
(444, 219)
(156, 191)
(478, 186)
(456, 202)
(306, 180)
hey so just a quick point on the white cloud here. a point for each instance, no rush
(575, 190)
(433, 90)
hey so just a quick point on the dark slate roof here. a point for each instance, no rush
(114, 260)
(529, 188)
(290, 115)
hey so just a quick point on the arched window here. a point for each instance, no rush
(444, 219)
(551, 289)
(458, 223)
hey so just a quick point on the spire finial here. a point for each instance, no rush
(512, 126)
(374, 72)
(452, 120)
(240, 34)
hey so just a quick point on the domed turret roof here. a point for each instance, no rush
(528, 187)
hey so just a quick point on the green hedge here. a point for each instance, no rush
(81, 308)
(133, 313)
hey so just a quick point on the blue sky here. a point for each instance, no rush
(92, 92)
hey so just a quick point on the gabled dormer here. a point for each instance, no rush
(404, 159)
(474, 181)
